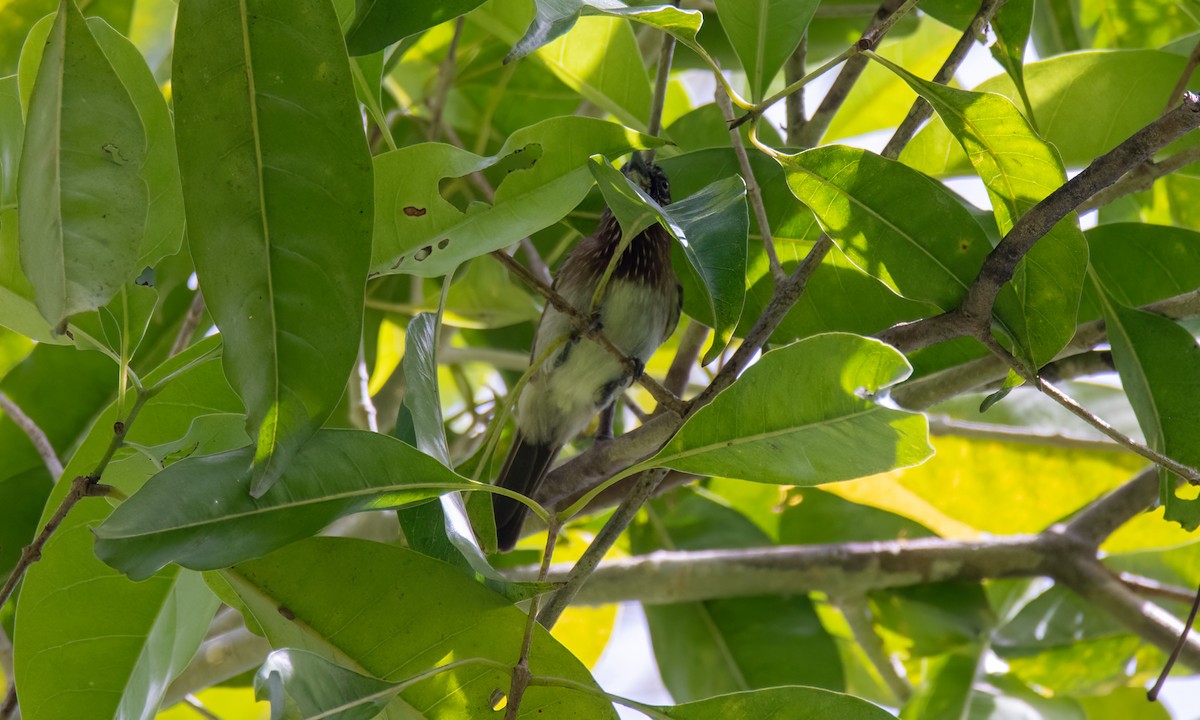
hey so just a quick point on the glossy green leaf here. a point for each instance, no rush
(764, 33)
(719, 646)
(710, 226)
(418, 232)
(301, 684)
(379, 23)
(1137, 23)
(1057, 29)
(779, 702)
(1128, 88)
(891, 221)
(81, 189)
(1011, 25)
(421, 394)
(1159, 364)
(277, 179)
(392, 613)
(1164, 257)
(1019, 169)
(164, 217)
(826, 431)
(198, 511)
(117, 659)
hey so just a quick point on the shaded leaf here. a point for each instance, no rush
(379, 23)
(277, 179)
(117, 659)
(717, 646)
(825, 431)
(1011, 24)
(192, 512)
(82, 195)
(301, 684)
(354, 602)
(418, 232)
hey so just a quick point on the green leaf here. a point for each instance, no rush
(1019, 170)
(554, 18)
(798, 416)
(198, 513)
(1011, 25)
(764, 33)
(1159, 364)
(779, 702)
(891, 221)
(379, 23)
(718, 646)
(421, 386)
(277, 179)
(12, 136)
(164, 218)
(393, 613)
(301, 684)
(418, 232)
(710, 226)
(117, 329)
(1127, 88)
(1139, 264)
(117, 659)
(82, 195)
(945, 689)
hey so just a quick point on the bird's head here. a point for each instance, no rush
(649, 177)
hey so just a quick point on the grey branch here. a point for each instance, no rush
(41, 443)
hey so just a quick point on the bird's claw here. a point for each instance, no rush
(596, 324)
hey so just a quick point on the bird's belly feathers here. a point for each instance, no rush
(580, 377)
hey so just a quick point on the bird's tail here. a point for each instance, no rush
(523, 472)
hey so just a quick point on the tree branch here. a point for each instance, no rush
(921, 110)
(858, 616)
(690, 345)
(793, 70)
(1142, 178)
(974, 315)
(187, 330)
(41, 443)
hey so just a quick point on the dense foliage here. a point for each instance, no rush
(269, 275)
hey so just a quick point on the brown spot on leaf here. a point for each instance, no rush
(285, 611)
(414, 211)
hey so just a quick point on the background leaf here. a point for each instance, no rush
(379, 24)
(277, 179)
(764, 33)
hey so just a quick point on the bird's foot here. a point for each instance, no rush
(637, 367)
(596, 324)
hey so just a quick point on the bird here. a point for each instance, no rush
(638, 312)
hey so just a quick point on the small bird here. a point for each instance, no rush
(638, 311)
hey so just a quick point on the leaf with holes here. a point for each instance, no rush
(277, 182)
(418, 232)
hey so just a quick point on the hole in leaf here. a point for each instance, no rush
(422, 253)
(443, 243)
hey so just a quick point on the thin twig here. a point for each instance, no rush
(662, 78)
(191, 321)
(753, 193)
(446, 72)
(1097, 521)
(885, 16)
(1148, 587)
(10, 701)
(521, 674)
(1010, 434)
(1187, 473)
(921, 109)
(198, 707)
(1184, 78)
(1152, 694)
(81, 487)
(858, 616)
(690, 345)
(620, 519)
(793, 70)
(1142, 178)
(41, 443)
